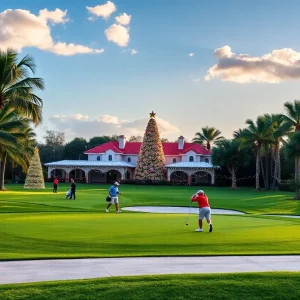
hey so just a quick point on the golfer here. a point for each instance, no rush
(204, 209)
(73, 189)
(113, 192)
(55, 183)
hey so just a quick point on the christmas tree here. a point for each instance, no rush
(35, 178)
(151, 160)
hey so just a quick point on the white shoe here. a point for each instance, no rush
(107, 210)
(118, 211)
(199, 230)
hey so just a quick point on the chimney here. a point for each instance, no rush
(122, 141)
(180, 142)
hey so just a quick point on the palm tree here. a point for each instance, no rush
(257, 135)
(293, 114)
(238, 134)
(227, 153)
(293, 117)
(209, 135)
(16, 137)
(17, 91)
(281, 129)
(293, 150)
(17, 88)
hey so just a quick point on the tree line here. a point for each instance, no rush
(271, 143)
(270, 138)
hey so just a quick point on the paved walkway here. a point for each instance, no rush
(45, 270)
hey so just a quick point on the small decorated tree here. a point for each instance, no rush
(151, 160)
(35, 178)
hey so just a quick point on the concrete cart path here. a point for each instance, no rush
(66, 269)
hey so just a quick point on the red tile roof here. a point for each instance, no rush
(134, 148)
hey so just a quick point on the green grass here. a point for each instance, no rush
(91, 198)
(36, 225)
(177, 287)
(69, 235)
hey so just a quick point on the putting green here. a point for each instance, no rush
(70, 235)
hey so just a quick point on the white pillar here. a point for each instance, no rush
(212, 173)
(123, 172)
(169, 174)
(49, 172)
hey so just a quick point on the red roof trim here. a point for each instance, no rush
(133, 148)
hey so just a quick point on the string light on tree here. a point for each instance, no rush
(151, 159)
(35, 178)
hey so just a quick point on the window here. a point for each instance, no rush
(206, 160)
(110, 157)
(98, 158)
(174, 160)
(129, 159)
(191, 158)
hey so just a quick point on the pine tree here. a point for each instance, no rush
(35, 178)
(151, 160)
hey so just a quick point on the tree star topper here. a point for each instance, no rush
(152, 114)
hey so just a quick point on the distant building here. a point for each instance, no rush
(117, 160)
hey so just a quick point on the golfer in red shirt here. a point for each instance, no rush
(55, 183)
(204, 209)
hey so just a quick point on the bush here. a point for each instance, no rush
(286, 187)
(146, 182)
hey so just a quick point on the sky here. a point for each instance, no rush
(196, 63)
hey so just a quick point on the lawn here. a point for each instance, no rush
(92, 198)
(36, 225)
(244, 286)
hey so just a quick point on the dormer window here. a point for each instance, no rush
(110, 157)
(174, 160)
(191, 159)
(98, 158)
(129, 159)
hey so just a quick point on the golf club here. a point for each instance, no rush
(187, 218)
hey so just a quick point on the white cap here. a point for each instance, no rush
(200, 192)
(116, 183)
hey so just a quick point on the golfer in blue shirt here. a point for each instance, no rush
(113, 192)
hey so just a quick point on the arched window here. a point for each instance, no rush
(110, 157)
(129, 159)
(191, 158)
(206, 160)
(174, 160)
(98, 158)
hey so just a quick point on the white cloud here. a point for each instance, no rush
(123, 19)
(274, 67)
(56, 16)
(104, 11)
(133, 52)
(108, 119)
(83, 126)
(191, 54)
(118, 34)
(20, 28)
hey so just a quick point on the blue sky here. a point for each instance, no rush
(112, 92)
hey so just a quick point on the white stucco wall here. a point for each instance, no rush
(169, 159)
(106, 155)
(93, 157)
(134, 158)
(186, 157)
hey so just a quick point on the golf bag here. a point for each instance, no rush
(68, 194)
